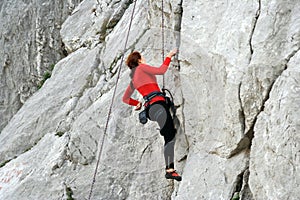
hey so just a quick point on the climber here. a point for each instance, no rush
(144, 81)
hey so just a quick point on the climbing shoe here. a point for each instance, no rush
(173, 175)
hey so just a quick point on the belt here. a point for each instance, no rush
(151, 96)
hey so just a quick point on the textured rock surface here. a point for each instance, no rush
(30, 46)
(237, 92)
(278, 126)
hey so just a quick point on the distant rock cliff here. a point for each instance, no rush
(236, 87)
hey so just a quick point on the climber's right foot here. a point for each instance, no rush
(173, 175)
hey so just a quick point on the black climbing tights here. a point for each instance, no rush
(160, 113)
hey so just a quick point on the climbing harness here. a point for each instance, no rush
(111, 105)
(143, 115)
(151, 96)
(169, 100)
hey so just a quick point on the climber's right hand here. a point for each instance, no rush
(172, 53)
(138, 106)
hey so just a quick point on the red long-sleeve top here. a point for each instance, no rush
(144, 81)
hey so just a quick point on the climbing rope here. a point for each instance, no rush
(111, 105)
(163, 38)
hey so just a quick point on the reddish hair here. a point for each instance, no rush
(133, 59)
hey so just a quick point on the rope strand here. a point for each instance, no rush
(163, 38)
(111, 105)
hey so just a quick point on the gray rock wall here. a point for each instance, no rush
(30, 46)
(236, 87)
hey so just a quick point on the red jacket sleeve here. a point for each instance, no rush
(157, 70)
(127, 96)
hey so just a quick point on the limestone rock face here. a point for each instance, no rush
(278, 126)
(30, 47)
(235, 83)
